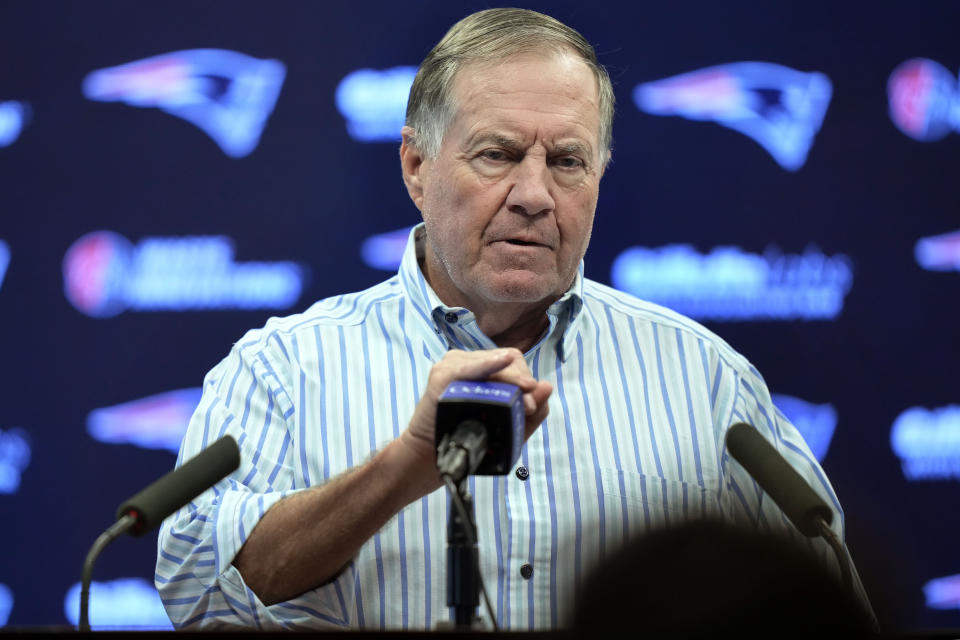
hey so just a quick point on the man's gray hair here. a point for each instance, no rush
(490, 36)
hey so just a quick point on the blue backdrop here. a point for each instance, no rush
(172, 174)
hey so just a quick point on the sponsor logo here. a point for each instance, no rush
(939, 253)
(228, 95)
(6, 604)
(14, 458)
(13, 118)
(731, 284)
(927, 441)
(4, 260)
(156, 422)
(374, 103)
(385, 250)
(104, 274)
(778, 107)
(922, 95)
(480, 389)
(815, 422)
(125, 603)
(943, 593)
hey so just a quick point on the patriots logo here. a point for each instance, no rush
(943, 593)
(229, 95)
(939, 253)
(815, 422)
(156, 422)
(385, 250)
(4, 260)
(13, 118)
(778, 107)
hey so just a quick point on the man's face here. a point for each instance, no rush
(509, 200)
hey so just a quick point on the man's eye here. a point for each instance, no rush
(569, 162)
(494, 154)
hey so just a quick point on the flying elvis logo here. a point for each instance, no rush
(13, 118)
(4, 260)
(155, 422)
(229, 95)
(14, 458)
(778, 107)
(939, 253)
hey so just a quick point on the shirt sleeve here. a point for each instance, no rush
(244, 396)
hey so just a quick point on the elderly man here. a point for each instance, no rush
(336, 516)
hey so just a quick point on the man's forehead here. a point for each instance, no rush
(490, 69)
(483, 98)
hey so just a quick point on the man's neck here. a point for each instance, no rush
(508, 324)
(521, 329)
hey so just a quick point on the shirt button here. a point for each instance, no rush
(522, 472)
(526, 571)
(451, 317)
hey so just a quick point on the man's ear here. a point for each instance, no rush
(412, 165)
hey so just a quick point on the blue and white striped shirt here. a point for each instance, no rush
(634, 440)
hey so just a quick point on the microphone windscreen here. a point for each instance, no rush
(777, 478)
(181, 485)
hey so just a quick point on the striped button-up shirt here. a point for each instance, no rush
(634, 440)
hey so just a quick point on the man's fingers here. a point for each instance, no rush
(537, 397)
(473, 365)
(529, 404)
(502, 365)
(537, 406)
(542, 392)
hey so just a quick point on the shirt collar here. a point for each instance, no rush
(456, 327)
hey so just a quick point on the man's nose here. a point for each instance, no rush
(530, 194)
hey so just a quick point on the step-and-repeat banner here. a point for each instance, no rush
(173, 174)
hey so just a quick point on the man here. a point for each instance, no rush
(336, 517)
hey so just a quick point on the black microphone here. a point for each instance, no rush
(147, 509)
(805, 508)
(480, 428)
(778, 479)
(180, 486)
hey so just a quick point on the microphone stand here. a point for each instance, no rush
(831, 538)
(463, 565)
(117, 529)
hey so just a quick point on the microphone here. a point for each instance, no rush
(147, 509)
(180, 486)
(806, 510)
(778, 479)
(480, 428)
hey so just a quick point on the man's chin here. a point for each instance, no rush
(522, 288)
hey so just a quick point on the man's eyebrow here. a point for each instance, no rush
(497, 139)
(574, 148)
